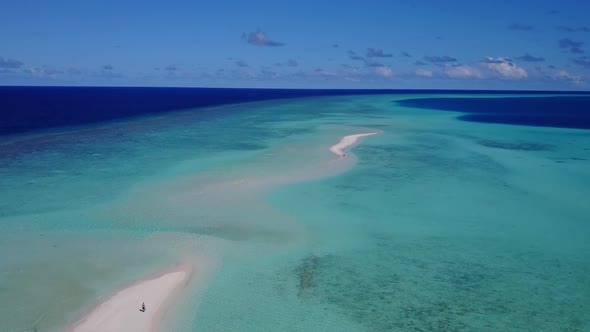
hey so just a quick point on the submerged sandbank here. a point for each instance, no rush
(121, 312)
(346, 141)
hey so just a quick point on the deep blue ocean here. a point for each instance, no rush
(29, 108)
(555, 111)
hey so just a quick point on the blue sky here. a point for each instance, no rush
(298, 44)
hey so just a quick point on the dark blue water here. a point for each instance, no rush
(29, 108)
(563, 111)
(24, 109)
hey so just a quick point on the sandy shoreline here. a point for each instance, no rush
(120, 312)
(346, 141)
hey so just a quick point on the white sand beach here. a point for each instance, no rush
(346, 141)
(121, 312)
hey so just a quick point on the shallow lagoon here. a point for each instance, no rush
(435, 224)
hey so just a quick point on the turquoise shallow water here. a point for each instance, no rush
(433, 225)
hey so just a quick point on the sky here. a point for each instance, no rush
(522, 45)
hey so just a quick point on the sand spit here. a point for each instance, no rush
(347, 141)
(121, 311)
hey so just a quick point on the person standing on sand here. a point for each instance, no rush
(142, 307)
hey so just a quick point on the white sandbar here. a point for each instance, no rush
(346, 141)
(121, 311)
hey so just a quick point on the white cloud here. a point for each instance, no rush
(462, 71)
(424, 72)
(489, 68)
(384, 71)
(504, 68)
(43, 72)
(564, 75)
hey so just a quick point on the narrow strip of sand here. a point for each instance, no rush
(346, 141)
(121, 312)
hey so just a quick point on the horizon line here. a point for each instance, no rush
(298, 89)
